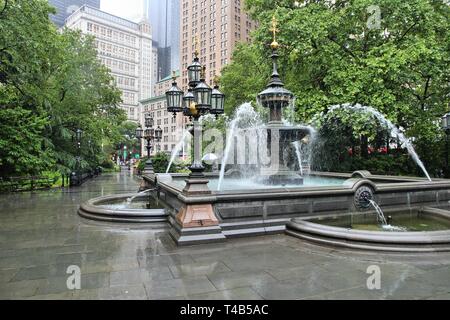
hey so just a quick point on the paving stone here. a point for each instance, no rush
(178, 287)
(238, 279)
(245, 293)
(139, 276)
(41, 235)
(198, 269)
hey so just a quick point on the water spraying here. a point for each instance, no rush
(245, 117)
(380, 215)
(177, 149)
(393, 129)
(130, 199)
(299, 155)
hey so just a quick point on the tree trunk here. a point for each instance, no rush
(364, 147)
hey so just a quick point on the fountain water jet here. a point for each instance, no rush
(391, 126)
(245, 117)
(130, 199)
(299, 156)
(177, 149)
(380, 214)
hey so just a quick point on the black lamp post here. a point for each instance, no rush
(199, 100)
(76, 176)
(150, 135)
(446, 127)
(139, 133)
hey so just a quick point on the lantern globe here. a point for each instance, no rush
(194, 72)
(202, 93)
(174, 97)
(217, 101)
(139, 132)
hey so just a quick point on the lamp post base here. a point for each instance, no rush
(194, 215)
(190, 236)
(196, 222)
(197, 215)
(148, 169)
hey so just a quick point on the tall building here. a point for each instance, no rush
(164, 16)
(173, 128)
(64, 8)
(126, 49)
(218, 25)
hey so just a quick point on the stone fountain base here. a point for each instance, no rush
(281, 178)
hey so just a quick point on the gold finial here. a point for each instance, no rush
(274, 45)
(193, 109)
(174, 75)
(216, 80)
(197, 46)
(203, 73)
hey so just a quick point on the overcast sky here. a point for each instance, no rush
(128, 9)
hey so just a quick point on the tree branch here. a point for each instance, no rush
(343, 47)
(406, 32)
(425, 91)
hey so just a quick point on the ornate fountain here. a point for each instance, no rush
(280, 137)
(282, 200)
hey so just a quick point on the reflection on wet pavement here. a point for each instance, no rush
(42, 235)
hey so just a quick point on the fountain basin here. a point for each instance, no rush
(115, 208)
(421, 229)
(249, 210)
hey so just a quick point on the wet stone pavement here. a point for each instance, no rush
(42, 235)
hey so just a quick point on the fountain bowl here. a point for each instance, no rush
(353, 231)
(115, 208)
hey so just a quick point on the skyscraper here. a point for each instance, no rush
(125, 47)
(64, 8)
(218, 25)
(164, 16)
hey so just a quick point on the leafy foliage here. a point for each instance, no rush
(331, 54)
(51, 84)
(160, 162)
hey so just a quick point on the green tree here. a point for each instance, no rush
(128, 137)
(51, 84)
(333, 53)
(243, 79)
(160, 162)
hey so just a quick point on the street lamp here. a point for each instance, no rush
(150, 135)
(217, 99)
(446, 127)
(76, 177)
(139, 133)
(175, 97)
(79, 135)
(200, 99)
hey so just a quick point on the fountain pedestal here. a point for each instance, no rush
(279, 142)
(196, 221)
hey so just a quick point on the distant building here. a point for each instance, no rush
(173, 128)
(219, 25)
(164, 84)
(126, 49)
(64, 8)
(164, 16)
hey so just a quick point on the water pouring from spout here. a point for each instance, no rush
(130, 199)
